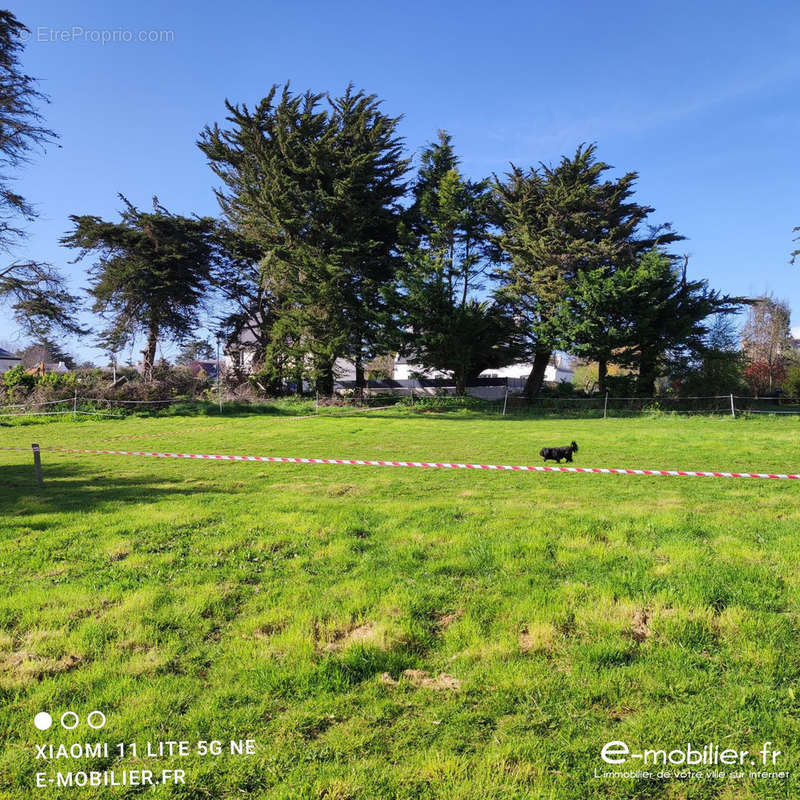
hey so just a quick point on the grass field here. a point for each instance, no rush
(539, 616)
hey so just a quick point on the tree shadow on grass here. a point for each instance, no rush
(72, 487)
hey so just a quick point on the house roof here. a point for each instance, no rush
(8, 356)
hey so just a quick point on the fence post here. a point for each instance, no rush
(219, 383)
(37, 463)
(505, 401)
(605, 406)
(316, 400)
(733, 410)
(75, 406)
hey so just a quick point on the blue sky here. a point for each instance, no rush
(699, 98)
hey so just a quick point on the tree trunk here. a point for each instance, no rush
(602, 374)
(149, 353)
(325, 378)
(533, 384)
(647, 374)
(461, 382)
(360, 382)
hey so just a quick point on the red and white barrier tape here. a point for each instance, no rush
(431, 464)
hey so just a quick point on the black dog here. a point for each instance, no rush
(557, 453)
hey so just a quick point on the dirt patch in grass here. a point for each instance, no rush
(54, 573)
(444, 621)
(82, 613)
(119, 554)
(270, 629)
(21, 667)
(424, 680)
(364, 634)
(537, 638)
(640, 630)
(133, 646)
(619, 714)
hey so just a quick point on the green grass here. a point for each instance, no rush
(545, 614)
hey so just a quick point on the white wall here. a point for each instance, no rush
(562, 370)
(7, 363)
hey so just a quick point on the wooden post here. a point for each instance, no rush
(219, 385)
(316, 401)
(505, 401)
(37, 463)
(733, 409)
(605, 406)
(75, 406)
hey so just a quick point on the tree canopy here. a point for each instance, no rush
(35, 291)
(666, 315)
(566, 234)
(151, 274)
(314, 182)
(446, 325)
(767, 342)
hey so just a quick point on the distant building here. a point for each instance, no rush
(208, 367)
(43, 367)
(240, 354)
(559, 369)
(8, 360)
(404, 370)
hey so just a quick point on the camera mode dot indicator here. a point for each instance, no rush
(42, 720)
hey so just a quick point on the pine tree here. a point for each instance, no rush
(565, 232)
(665, 315)
(314, 183)
(447, 259)
(151, 274)
(35, 291)
(717, 368)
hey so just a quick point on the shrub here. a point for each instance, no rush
(17, 377)
(444, 403)
(763, 377)
(621, 385)
(791, 383)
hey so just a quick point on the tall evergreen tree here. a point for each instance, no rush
(564, 229)
(665, 316)
(35, 291)
(447, 258)
(717, 368)
(247, 317)
(151, 274)
(314, 183)
(195, 350)
(47, 351)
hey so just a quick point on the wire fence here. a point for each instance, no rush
(79, 406)
(507, 405)
(607, 406)
(71, 406)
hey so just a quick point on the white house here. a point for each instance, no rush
(405, 370)
(558, 370)
(8, 360)
(240, 353)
